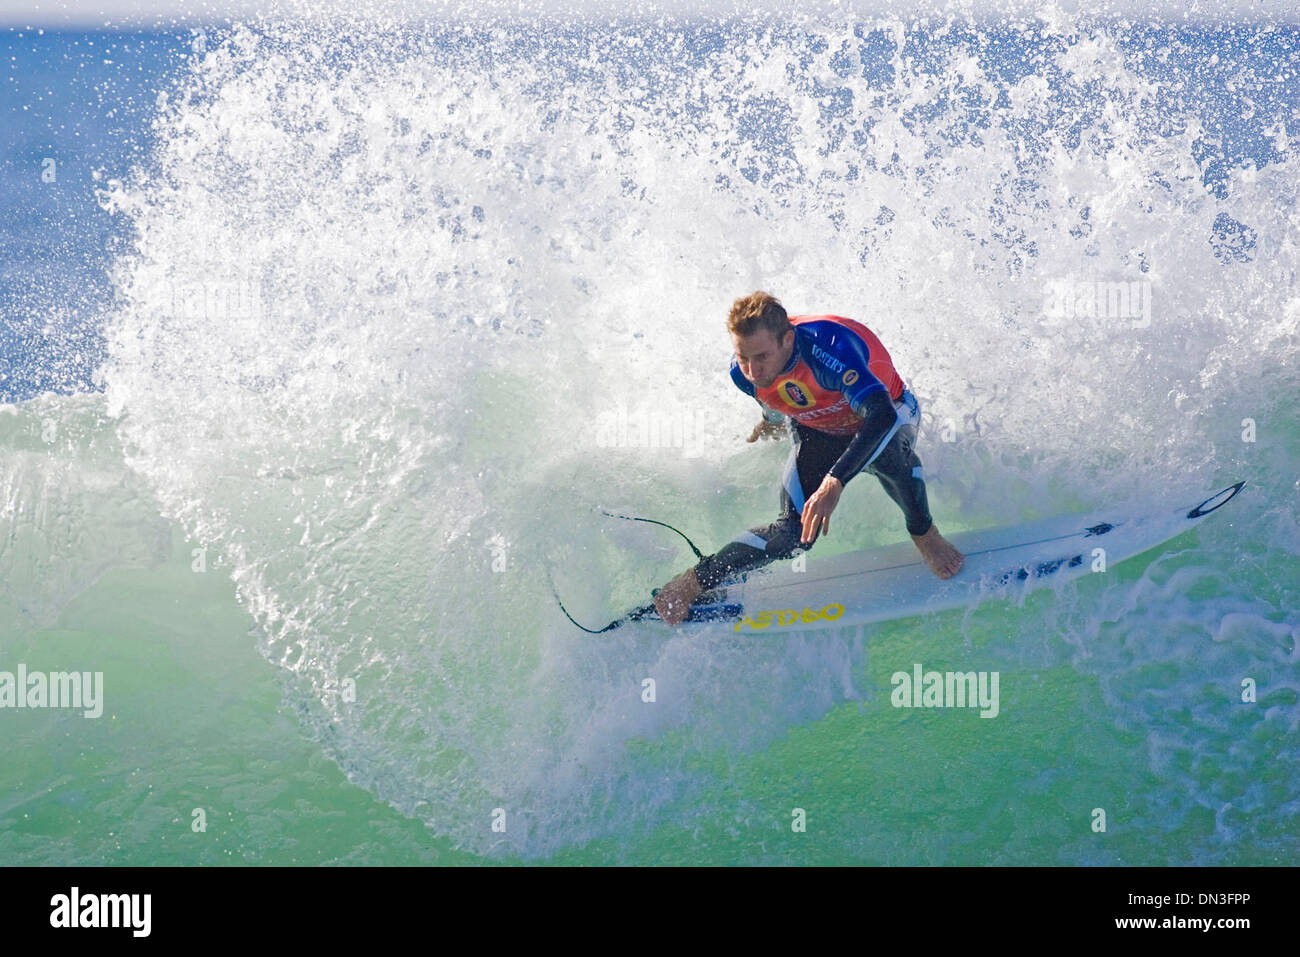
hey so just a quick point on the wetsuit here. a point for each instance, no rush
(850, 412)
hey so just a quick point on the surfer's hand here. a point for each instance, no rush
(766, 430)
(673, 601)
(817, 510)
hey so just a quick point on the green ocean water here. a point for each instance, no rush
(196, 718)
(387, 322)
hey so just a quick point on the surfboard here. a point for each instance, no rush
(894, 582)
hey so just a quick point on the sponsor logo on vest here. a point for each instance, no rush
(784, 617)
(794, 395)
(826, 359)
(851, 377)
(839, 406)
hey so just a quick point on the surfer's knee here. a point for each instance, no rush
(783, 539)
(747, 550)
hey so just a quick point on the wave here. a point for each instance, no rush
(388, 291)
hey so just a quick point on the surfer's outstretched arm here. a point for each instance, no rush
(766, 430)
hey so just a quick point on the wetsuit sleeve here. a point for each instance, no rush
(856, 380)
(879, 423)
(867, 396)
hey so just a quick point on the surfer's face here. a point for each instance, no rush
(762, 356)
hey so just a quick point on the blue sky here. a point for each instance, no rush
(84, 14)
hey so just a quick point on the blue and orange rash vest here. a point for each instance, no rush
(839, 380)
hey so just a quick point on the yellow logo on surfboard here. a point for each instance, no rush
(784, 617)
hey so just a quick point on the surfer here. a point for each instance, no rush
(849, 412)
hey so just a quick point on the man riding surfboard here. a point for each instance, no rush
(849, 412)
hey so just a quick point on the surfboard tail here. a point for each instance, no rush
(711, 606)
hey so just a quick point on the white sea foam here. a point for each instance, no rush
(467, 246)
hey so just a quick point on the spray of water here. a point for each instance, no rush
(388, 288)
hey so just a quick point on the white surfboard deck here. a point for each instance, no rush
(894, 582)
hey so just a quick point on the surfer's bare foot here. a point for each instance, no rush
(944, 560)
(673, 602)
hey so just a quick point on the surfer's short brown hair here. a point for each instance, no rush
(758, 310)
